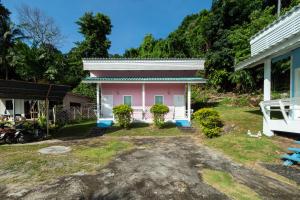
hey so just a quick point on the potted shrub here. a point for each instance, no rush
(123, 115)
(159, 111)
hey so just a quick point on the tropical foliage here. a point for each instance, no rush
(159, 111)
(29, 50)
(220, 35)
(123, 115)
(210, 122)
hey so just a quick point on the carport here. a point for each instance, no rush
(11, 89)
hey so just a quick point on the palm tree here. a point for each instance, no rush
(9, 34)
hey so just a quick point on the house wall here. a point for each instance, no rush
(119, 90)
(168, 90)
(74, 99)
(19, 107)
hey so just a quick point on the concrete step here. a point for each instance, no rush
(187, 129)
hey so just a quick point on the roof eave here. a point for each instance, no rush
(95, 81)
(280, 48)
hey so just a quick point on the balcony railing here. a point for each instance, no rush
(146, 115)
(288, 108)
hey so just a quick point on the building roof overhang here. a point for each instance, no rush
(281, 48)
(144, 80)
(12, 89)
(142, 64)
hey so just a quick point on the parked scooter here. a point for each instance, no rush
(7, 134)
(28, 133)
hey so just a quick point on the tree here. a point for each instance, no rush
(40, 64)
(39, 28)
(95, 29)
(9, 34)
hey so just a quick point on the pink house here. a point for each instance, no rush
(142, 83)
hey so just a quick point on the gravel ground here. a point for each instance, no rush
(159, 168)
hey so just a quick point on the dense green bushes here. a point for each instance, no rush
(159, 111)
(123, 115)
(209, 121)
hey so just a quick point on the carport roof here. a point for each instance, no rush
(27, 90)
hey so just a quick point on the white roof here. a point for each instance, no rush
(142, 64)
(279, 49)
(279, 38)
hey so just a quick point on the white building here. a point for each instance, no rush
(279, 40)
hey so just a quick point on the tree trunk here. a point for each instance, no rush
(6, 69)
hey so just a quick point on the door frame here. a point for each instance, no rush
(112, 103)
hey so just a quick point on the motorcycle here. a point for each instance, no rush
(28, 133)
(7, 134)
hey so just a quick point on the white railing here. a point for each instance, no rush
(140, 114)
(289, 108)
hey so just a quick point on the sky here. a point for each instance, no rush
(131, 19)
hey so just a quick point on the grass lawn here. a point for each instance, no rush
(75, 130)
(237, 144)
(19, 163)
(137, 129)
(143, 129)
(225, 183)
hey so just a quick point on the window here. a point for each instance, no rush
(9, 105)
(127, 100)
(159, 99)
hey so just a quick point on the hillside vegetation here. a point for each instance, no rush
(220, 35)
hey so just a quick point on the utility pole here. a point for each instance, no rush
(278, 8)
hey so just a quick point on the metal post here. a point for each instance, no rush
(47, 115)
(189, 102)
(54, 114)
(74, 114)
(14, 110)
(278, 8)
(98, 100)
(143, 100)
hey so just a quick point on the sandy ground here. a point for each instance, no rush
(159, 168)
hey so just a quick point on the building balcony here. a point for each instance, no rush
(282, 115)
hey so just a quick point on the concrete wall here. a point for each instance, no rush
(75, 99)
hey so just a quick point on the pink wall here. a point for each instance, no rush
(135, 89)
(168, 90)
(118, 90)
(162, 73)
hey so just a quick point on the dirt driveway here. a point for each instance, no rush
(161, 168)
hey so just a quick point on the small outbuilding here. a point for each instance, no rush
(141, 83)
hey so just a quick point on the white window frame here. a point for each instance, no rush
(163, 98)
(130, 97)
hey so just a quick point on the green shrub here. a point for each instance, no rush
(210, 121)
(211, 132)
(42, 122)
(123, 115)
(159, 111)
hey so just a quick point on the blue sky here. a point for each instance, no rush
(131, 19)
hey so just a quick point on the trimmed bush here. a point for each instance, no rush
(123, 115)
(211, 132)
(209, 121)
(159, 111)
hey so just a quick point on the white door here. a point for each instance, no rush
(297, 94)
(107, 106)
(179, 106)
